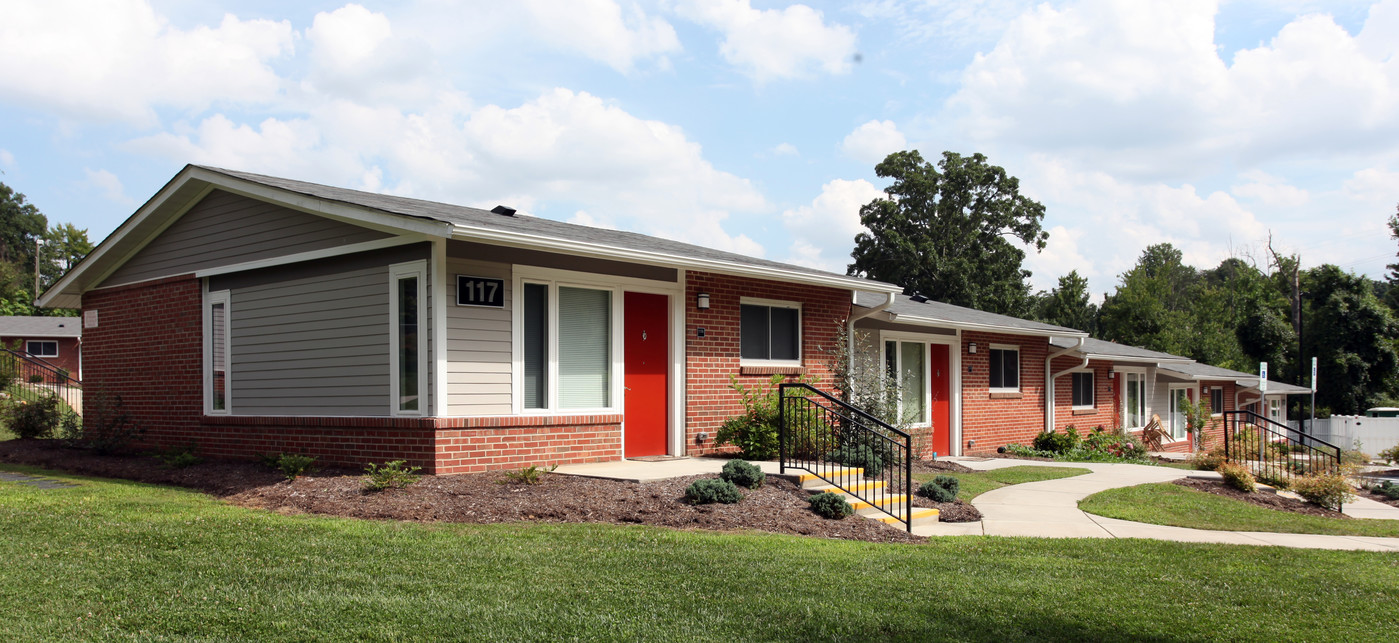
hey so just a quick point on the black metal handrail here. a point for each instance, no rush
(27, 377)
(1275, 452)
(830, 438)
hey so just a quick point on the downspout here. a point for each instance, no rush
(850, 324)
(1238, 390)
(1050, 375)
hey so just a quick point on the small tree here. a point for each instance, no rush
(1197, 417)
(863, 382)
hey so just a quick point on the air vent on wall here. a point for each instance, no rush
(500, 209)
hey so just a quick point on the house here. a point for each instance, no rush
(251, 314)
(55, 341)
(1141, 383)
(972, 380)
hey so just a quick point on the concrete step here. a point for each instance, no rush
(863, 486)
(890, 504)
(921, 516)
(843, 474)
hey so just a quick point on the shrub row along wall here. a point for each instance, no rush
(710, 360)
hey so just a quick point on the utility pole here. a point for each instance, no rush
(38, 243)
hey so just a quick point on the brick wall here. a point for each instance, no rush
(468, 445)
(1104, 411)
(710, 360)
(996, 420)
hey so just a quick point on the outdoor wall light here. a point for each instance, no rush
(971, 348)
(702, 301)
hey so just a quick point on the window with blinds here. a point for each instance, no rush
(1005, 369)
(566, 346)
(1083, 390)
(769, 333)
(216, 343)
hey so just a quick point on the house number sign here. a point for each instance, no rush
(480, 291)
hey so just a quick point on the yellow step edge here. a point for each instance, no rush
(887, 500)
(917, 513)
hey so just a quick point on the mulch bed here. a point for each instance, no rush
(958, 511)
(779, 506)
(1262, 498)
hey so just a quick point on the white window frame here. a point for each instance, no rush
(28, 342)
(397, 272)
(1142, 399)
(1019, 372)
(771, 303)
(1093, 390)
(210, 300)
(899, 340)
(1171, 391)
(553, 278)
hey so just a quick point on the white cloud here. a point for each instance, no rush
(1373, 185)
(785, 149)
(825, 230)
(119, 60)
(6, 158)
(1140, 87)
(1270, 190)
(108, 184)
(873, 141)
(604, 31)
(355, 53)
(771, 44)
(563, 149)
(1061, 255)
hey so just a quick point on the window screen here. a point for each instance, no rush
(41, 348)
(769, 333)
(914, 382)
(1217, 399)
(218, 338)
(1136, 399)
(408, 399)
(585, 350)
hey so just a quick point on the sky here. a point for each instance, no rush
(744, 125)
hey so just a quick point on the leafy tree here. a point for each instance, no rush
(1391, 294)
(1067, 305)
(20, 224)
(1353, 335)
(946, 231)
(1149, 307)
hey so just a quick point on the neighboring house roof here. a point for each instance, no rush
(1113, 351)
(24, 326)
(1197, 371)
(414, 216)
(905, 310)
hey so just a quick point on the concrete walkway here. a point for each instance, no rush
(1049, 509)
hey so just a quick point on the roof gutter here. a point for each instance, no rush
(1050, 375)
(988, 328)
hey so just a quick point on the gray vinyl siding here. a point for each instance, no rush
(465, 250)
(478, 346)
(224, 229)
(313, 346)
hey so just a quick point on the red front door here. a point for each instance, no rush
(647, 363)
(942, 399)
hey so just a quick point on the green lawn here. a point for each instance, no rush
(1172, 504)
(118, 560)
(977, 483)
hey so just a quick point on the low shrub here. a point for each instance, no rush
(36, 379)
(37, 419)
(1026, 452)
(1387, 489)
(532, 474)
(743, 474)
(178, 457)
(830, 505)
(943, 488)
(1207, 460)
(1390, 455)
(393, 474)
(1330, 490)
(1238, 476)
(712, 490)
(860, 456)
(292, 465)
(1055, 442)
(1355, 457)
(105, 428)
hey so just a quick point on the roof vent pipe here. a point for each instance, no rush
(502, 210)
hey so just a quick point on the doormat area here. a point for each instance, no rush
(34, 481)
(660, 458)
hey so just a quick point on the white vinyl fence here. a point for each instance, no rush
(1374, 434)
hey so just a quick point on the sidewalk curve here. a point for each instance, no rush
(1049, 509)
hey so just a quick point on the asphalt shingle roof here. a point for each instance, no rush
(1106, 348)
(20, 326)
(520, 224)
(905, 305)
